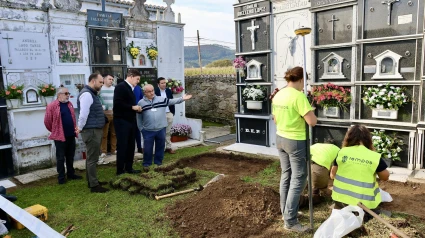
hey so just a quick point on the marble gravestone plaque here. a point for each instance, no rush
(390, 18)
(328, 63)
(253, 131)
(264, 60)
(252, 9)
(334, 26)
(324, 133)
(24, 50)
(324, 3)
(406, 66)
(406, 113)
(254, 34)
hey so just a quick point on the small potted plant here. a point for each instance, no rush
(180, 132)
(134, 52)
(331, 98)
(254, 95)
(13, 95)
(389, 146)
(175, 86)
(385, 100)
(239, 64)
(152, 52)
(48, 92)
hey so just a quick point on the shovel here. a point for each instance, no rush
(200, 188)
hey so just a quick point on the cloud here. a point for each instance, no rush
(213, 19)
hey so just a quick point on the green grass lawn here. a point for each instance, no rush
(119, 214)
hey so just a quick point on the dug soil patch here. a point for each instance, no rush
(227, 208)
(407, 197)
(228, 164)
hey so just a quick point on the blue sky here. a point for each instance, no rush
(213, 19)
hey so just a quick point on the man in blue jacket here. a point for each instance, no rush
(152, 123)
(165, 92)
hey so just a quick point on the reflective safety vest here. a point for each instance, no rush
(324, 154)
(355, 179)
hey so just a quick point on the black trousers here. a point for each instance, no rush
(65, 152)
(125, 131)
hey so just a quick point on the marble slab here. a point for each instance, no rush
(27, 178)
(334, 26)
(261, 34)
(46, 173)
(252, 149)
(7, 184)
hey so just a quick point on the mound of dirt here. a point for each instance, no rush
(408, 197)
(237, 165)
(227, 208)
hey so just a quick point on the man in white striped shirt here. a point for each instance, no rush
(106, 97)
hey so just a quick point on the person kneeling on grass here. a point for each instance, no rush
(354, 171)
(322, 156)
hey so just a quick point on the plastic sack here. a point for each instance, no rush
(386, 197)
(340, 223)
(3, 229)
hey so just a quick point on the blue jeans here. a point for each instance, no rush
(149, 139)
(293, 180)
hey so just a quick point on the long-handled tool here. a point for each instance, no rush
(397, 231)
(200, 188)
(303, 31)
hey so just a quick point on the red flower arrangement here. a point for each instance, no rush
(331, 95)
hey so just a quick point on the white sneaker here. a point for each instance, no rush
(103, 155)
(101, 161)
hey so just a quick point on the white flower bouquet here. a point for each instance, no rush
(385, 97)
(388, 146)
(254, 93)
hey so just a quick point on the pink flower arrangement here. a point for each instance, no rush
(175, 86)
(239, 64)
(331, 95)
(180, 130)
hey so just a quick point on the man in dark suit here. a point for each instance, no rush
(165, 92)
(124, 112)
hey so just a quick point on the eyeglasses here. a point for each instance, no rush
(67, 93)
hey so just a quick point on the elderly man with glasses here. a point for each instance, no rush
(60, 121)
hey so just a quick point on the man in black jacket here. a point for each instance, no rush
(165, 92)
(124, 111)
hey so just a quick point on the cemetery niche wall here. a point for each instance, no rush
(362, 46)
(62, 44)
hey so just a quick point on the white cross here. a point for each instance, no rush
(333, 20)
(7, 40)
(389, 5)
(107, 38)
(252, 29)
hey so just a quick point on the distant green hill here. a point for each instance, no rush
(209, 53)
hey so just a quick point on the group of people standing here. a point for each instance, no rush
(121, 110)
(354, 167)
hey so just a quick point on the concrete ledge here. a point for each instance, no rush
(27, 178)
(7, 184)
(252, 149)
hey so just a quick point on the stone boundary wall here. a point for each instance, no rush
(214, 98)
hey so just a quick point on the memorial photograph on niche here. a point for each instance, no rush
(70, 51)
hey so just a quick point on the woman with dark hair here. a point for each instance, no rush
(354, 171)
(291, 111)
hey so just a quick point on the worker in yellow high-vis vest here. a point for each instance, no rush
(355, 169)
(291, 111)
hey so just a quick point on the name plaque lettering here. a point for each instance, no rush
(322, 3)
(252, 9)
(290, 5)
(104, 19)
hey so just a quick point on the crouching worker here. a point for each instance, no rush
(322, 157)
(355, 169)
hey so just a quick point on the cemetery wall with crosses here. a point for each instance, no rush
(355, 44)
(61, 43)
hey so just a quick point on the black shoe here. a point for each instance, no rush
(75, 177)
(99, 189)
(133, 171)
(103, 183)
(140, 150)
(62, 181)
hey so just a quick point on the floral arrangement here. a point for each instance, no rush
(47, 90)
(69, 51)
(331, 95)
(133, 50)
(388, 146)
(181, 130)
(175, 86)
(239, 64)
(385, 97)
(12, 91)
(152, 52)
(254, 93)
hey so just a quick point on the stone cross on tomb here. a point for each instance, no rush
(168, 2)
(252, 29)
(389, 6)
(107, 38)
(7, 38)
(333, 20)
